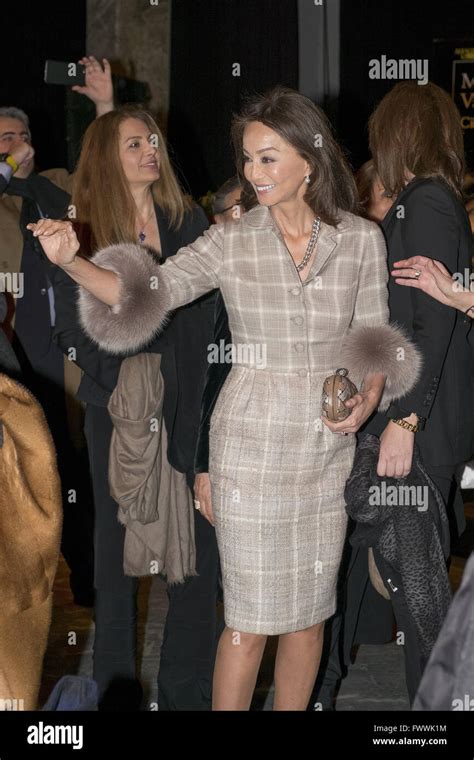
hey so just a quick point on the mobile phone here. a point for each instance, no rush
(62, 72)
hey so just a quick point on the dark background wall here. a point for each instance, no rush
(34, 32)
(209, 35)
(402, 29)
(207, 38)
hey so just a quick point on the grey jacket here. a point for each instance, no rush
(448, 681)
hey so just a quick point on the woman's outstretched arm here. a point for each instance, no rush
(60, 244)
(126, 295)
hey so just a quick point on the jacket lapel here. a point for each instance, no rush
(325, 246)
(171, 240)
(260, 216)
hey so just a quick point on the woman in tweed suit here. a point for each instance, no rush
(277, 473)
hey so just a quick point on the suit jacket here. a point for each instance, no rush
(428, 219)
(183, 346)
(23, 201)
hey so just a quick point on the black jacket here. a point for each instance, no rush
(183, 345)
(215, 379)
(41, 360)
(427, 219)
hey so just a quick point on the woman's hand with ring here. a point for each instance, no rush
(202, 493)
(428, 275)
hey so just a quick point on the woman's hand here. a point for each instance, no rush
(98, 86)
(362, 405)
(396, 452)
(434, 278)
(202, 494)
(58, 239)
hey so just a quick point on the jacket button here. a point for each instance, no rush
(43, 291)
(302, 372)
(298, 320)
(295, 291)
(299, 347)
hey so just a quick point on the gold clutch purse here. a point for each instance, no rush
(336, 389)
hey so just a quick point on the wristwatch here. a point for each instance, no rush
(8, 159)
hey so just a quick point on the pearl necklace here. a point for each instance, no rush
(311, 244)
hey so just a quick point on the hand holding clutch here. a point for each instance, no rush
(337, 389)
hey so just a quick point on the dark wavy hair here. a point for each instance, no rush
(299, 121)
(417, 127)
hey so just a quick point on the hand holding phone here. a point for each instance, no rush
(62, 72)
(87, 77)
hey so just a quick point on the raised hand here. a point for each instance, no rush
(58, 239)
(98, 86)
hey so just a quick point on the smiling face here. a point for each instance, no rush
(139, 157)
(272, 166)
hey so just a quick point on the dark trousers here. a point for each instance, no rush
(362, 616)
(340, 630)
(192, 630)
(187, 656)
(414, 662)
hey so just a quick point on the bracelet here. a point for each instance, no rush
(407, 425)
(11, 162)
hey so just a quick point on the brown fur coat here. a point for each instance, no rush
(30, 531)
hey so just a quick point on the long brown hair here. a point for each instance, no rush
(305, 126)
(417, 128)
(101, 194)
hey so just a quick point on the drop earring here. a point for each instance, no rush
(308, 178)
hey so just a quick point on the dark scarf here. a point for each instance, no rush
(412, 541)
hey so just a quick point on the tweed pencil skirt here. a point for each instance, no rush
(277, 478)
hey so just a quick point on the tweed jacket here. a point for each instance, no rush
(278, 323)
(277, 473)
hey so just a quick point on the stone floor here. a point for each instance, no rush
(375, 680)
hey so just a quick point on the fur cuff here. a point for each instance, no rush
(385, 349)
(143, 308)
